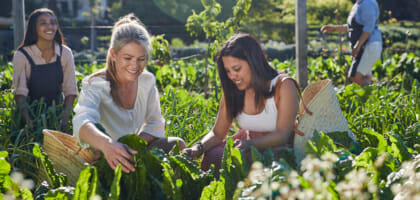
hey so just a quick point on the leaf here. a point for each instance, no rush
(398, 148)
(55, 180)
(115, 188)
(320, 144)
(268, 157)
(4, 167)
(376, 140)
(26, 194)
(232, 168)
(170, 185)
(62, 193)
(82, 185)
(256, 155)
(226, 159)
(87, 184)
(215, 190)
(366, 159)
(94, 183)
(342, 139)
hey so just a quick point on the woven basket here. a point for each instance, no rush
(321, 100)
(65, 154)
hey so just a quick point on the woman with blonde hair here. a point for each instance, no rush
(123, 98)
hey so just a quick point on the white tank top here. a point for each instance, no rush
(264, 121)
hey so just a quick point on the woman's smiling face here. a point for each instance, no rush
(46, 27)
(238, 71)
(130, 61)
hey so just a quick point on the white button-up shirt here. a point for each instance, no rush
(96, 105)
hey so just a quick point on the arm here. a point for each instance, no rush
(69, 85)
(86, 116)
(68, 107)
(20, 102)
(368, 17)
(287, 110)
(330, 28)
(115, 153)
(363, 38)
(19, 87)
(216, 136)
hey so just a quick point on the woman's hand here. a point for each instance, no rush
(327, 28)
(193, 151)
(355, 51)
(118, 153)
(242, 144)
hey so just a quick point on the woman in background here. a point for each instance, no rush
(43, 67)
(365, 39)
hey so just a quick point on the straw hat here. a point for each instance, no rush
(65, 154)
(322, 101)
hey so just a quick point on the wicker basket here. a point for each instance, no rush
(65, 154)
(327, 116)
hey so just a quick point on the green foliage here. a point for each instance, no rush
(233, 168)
(10, 188)
(215, 190)
(187, 115)
(319, 11)
(177, 42)
(6, 72)
(54, 179)
(384, 118)
(160, 48)
(87, 184)
(394, 34)
(115, 187)
(188, 75)
(216, 32)
(320, 144)
(156, 176)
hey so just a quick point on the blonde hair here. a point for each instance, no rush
(126, 30)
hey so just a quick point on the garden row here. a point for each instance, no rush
(383, 164)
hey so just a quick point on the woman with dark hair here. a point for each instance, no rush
(123, 98)
(249, 85)
(43, 66)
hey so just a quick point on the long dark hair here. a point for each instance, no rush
(31, 35)
(245, 47)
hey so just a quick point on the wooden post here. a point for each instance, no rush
(18, 7)
(92, 30)
(301, 35)
(70, 6)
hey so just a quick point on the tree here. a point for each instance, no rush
(216, 31)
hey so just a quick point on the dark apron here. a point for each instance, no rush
(355, 31)
(45, 81)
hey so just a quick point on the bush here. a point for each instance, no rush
(179, 52)
(393, 33)
(281, 54)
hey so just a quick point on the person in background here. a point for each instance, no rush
(123, 98)
(43, 67)
(365, 39)
(249, 85)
